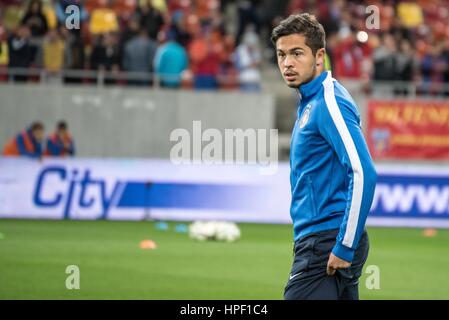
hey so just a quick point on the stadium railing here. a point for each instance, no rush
(103, 77)
(372, 88)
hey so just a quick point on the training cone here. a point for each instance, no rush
(429, 232)
(161, 226)
(148, 244)
(182, 228)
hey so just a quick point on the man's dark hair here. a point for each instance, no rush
(37, 125)
(305, 24)
(62, 125)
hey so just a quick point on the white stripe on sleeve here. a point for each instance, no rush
(357, 188)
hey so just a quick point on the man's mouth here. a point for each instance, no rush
(290, 76)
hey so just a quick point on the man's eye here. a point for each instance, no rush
(298, 53)
(281, 55)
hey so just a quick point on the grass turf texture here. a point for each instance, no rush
(34, 256)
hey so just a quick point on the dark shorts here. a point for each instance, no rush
(308, 279)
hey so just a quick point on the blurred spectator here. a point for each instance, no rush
(53, 49)
(105, 54)
(4, 58)
(228, 72)
(405, 65)
(385, 59)
(179, 29)
(26, 143)
(21, 53)
(405, 62)
(139, 56)
(205, 62)
(347, 57)
(170, 61)
(248, 59)
(150, 18)
(35, 19)
(131, 30)
(445, 55)
(248, 15)
(60, 143)
(433, 66)
(74, 55)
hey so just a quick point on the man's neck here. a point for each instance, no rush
(318, 71)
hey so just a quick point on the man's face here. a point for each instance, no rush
(296, 61)
(62, 133)
(38, 135)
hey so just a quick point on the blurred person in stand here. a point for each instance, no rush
(247, 14)
(4, 58)
(384, 58)
(60, 143)
(53, 54)
(347, 57)
(35, 19)
(179, 28)
(205, 60)
(74, 54)
(139, 57)
(150, 18)
(445, 55)
(433, 66)
(170, 62)
(405, 65)
(248, 58)
(27, 143)
(105, 56)
(20, 51)
(131, 30)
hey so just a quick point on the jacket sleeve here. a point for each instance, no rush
(71, 149)
(22, 149)
(339, 124)
(51, 148)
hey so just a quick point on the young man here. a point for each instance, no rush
(60, 143)
(26, 143)
(332, 173)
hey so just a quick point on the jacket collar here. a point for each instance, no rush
(312, 87)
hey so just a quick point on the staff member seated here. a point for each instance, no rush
(60, 143)
(27, 143)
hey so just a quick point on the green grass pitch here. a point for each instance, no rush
(34, 256)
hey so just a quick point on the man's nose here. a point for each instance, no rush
(288, 61)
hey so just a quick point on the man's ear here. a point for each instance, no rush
(320, 55)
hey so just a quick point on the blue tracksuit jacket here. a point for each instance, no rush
(332, 174)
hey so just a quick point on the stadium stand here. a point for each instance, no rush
(412, 36)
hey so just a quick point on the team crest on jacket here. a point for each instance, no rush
(305, 116)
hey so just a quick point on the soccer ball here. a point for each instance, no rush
(214, 230)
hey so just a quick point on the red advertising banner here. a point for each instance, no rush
(408, 129)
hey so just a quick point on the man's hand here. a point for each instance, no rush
(335, 263)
